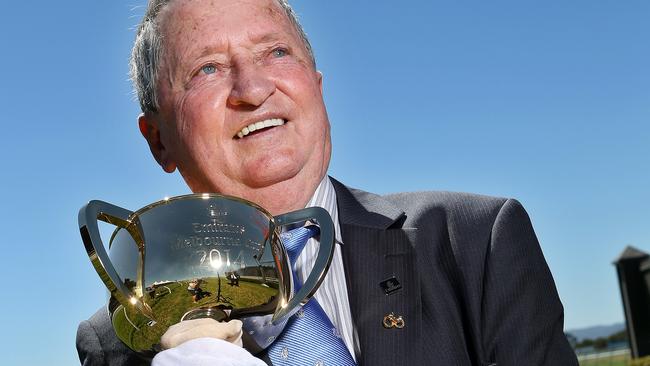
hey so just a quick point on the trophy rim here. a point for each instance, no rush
(204, 196)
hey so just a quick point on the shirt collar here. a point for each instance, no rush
(325, 196)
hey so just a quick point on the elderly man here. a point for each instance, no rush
(232, 99)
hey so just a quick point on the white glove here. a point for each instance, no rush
(199, 328)
(203, 342)
(206, 352)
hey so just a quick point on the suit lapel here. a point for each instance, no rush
(375, 249)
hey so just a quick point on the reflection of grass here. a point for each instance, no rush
(170, 307)
(122, 327)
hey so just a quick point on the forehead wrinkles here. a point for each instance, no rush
(181, 25)
(188, 20)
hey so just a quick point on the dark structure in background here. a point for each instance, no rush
(633, 268)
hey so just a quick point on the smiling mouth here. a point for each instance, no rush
(257, 127)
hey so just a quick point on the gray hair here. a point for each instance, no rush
(147, 50)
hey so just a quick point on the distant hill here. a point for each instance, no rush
(596, 331)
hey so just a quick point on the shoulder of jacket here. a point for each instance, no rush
(451, 204)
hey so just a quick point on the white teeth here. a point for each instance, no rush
(268, 123)
(260, 125)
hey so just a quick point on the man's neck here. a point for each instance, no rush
(285, 197)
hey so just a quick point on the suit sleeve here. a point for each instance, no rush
(88, 346)
(523, 317)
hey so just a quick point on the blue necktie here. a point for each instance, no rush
(309, 338)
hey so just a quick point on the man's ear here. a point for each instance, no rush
(319, 75)
(151, 133)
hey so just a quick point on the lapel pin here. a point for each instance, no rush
(390, 285)
(393, 321)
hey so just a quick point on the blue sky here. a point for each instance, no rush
(547, 102)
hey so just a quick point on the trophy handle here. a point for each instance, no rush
(323, 259)
(88, 217)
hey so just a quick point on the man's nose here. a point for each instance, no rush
(251, 85)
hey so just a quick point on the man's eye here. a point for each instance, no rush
(209, 69)
(279, 52)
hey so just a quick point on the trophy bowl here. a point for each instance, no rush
(200, 256)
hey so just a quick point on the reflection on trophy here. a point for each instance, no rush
(200, 256)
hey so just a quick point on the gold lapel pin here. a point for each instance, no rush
(392, 321)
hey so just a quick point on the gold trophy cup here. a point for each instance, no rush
(200, 256)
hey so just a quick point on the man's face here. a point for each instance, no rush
(227, 65)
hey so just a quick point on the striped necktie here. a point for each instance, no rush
(309, 337)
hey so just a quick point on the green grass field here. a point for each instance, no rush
(621, 360)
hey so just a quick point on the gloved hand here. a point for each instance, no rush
(202, 342)
(200, 328)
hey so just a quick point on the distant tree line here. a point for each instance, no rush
(602, 342)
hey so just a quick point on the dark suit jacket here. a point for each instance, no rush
(476, 289)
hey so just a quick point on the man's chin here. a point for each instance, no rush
(262, 179)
